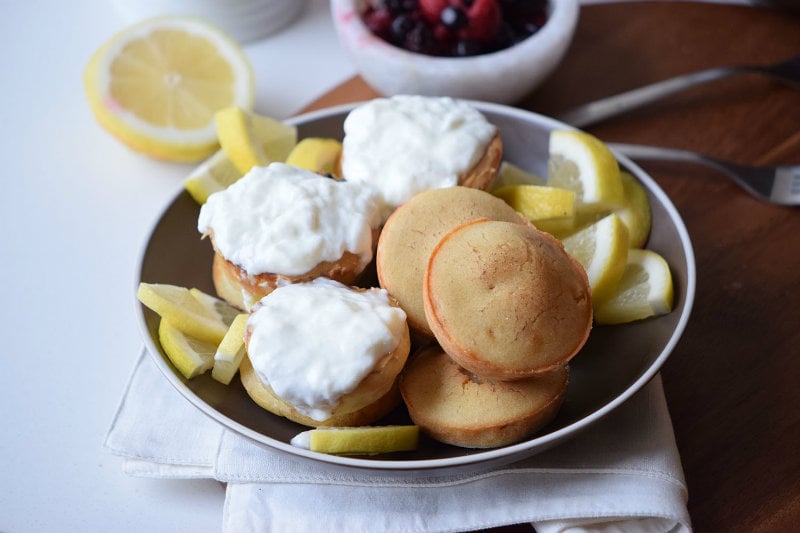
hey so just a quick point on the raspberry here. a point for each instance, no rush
(432, 9)
(485, 18)
(379, 21)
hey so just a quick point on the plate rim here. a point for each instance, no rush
(469, 462)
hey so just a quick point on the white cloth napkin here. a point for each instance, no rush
(623, 475)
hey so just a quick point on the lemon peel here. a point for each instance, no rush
(635, 211)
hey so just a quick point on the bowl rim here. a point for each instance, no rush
(562, 14)
(468, 462)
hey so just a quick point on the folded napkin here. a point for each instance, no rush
(621, 475)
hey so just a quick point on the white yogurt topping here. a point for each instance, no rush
(407, 144)
(285, 220)
(314, 342)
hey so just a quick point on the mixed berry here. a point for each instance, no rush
(454, 27)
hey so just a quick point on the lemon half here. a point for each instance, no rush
(156, 86)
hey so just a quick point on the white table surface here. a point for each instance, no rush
(76, 208)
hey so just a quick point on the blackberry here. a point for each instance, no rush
(420, 39)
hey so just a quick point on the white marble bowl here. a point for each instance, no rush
(505, 76)
(244, 20)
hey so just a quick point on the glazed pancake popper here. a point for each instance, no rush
(284, 224)
(323, 354)
(407, 144)
(505, 300)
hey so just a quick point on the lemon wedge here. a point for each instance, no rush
(250, 139)
(511, 174)
(538, 202)
(190, 356)
(317, 154)
(602, 249)
(184, 311)
(366, 440)
(645, 290)
(220, 309)
(230, 352)
(635, 211)
(213, 175)
(582, 163)
(156, 86)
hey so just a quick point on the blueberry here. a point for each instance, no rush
(453, 18)
(401, 25)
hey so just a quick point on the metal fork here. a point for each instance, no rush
(777, 184)
(787, 71)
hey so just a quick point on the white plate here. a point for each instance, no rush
(616, 362)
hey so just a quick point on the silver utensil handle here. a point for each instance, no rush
(592, 112)
(639, 151)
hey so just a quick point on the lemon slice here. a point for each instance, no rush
(558, 227)
(317, 154)
(602, 249)
(190, 356)
(213, 175)
(156, 86)
(537, 202)
(220, 309)
(645, 290)
(582, 163)
(366, 440)
(230, 352)
(184, 311)
(251, 139)
(635, 211)
(511, 174)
